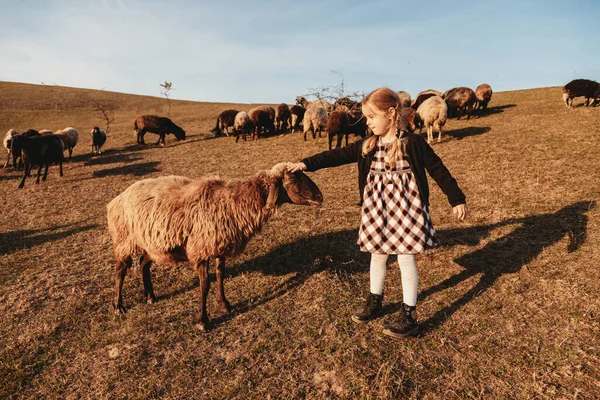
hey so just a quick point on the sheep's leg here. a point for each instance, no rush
(22, 184)
(37, 181)
(146, 263)
(45, 172)
(7, 161)
(430, 134)
(70, 153)
(330, 140)
(340, 137)
(60, 167)
(202, 268)
(220, 272)
(440, 134)
(120, 272)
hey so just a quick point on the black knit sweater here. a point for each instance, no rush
(420, 155)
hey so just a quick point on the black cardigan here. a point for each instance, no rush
(420, 155)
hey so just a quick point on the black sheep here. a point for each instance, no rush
(42, 151)
(581, 87)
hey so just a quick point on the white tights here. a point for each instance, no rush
(408, 269)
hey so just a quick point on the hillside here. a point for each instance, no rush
(508, 304)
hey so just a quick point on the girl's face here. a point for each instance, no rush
(380, 122)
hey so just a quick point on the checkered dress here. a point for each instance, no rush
(393, 218)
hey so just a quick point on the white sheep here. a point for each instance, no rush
(174, 218)
(315, 120)
(432, 113)
(242, 125)
(7, 144)
(70, 137)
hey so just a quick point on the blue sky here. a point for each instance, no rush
(272, 51)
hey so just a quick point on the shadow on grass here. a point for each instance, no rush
(492, 110)
(139, 169)
(10, 177)
(506, 255)
(338, 252)
(469, 131)
(28, 238)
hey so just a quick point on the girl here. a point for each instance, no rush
(395, 201)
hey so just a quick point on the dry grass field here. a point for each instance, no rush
(509, 303)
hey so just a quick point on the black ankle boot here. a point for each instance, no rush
(369, 310)
(406, 325)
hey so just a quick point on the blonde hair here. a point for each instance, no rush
(381, 100)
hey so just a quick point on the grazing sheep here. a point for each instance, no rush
(159, 125)
(225, 120)
(297, 113)
(282, 117)
(98, 139)
(346, 104)
(41, 150)
(262, 122)
(404, 98)
(433, 91)
(174, 218)
(7, 142)
(70, 137)
(483, 93)
(301, 101)
(581, 87)
(242, 125)
(432, 114)
(407, 119)
(460, 99)
(315, 120)
(421, 98)
(342, 123)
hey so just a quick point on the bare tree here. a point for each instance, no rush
(103, 109)
(334, 92)
(167, 86)
(55, 92)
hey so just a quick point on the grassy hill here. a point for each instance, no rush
(509, 303)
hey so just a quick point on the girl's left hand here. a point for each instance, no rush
(460, 211)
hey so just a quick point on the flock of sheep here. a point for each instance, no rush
(173, 219)
(430, 109)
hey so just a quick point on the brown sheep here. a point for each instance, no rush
(262, 120)
(342, 123)
(297, 113)
(155, 124)
(459, 100)
(282, 117)
(225, 120)
(407, 119)
(404, 98)
(174, 218)
(483, 93)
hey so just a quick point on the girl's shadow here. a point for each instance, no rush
(509, 253)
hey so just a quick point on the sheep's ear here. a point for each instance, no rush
(273, 194)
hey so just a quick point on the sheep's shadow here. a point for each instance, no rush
(10, 177)
(113, 158)
(139, 169)
(492, 110)
(468, 131)
(28, 238)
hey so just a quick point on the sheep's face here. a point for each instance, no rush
(299, 189)
(179, 133)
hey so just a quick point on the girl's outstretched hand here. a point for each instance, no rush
(460, 211)
(295, 167)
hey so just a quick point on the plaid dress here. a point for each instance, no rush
(393, 218)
